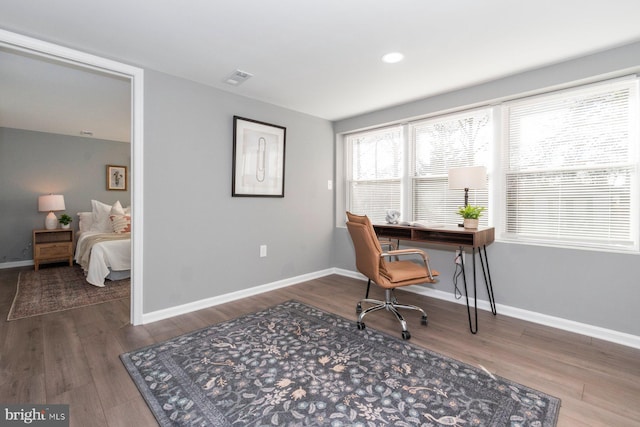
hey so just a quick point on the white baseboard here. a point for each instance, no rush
(14, 264)
(221, 299)
(543, 319)
(530, 316)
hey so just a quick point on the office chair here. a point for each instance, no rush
(381, 268)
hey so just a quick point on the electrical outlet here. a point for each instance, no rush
(263, 251)
(459, 257)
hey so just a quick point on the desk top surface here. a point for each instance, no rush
(447, 227)
(449, 234)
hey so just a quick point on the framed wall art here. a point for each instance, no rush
(116, 177)
(258, 159)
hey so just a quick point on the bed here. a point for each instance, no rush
(103, 244)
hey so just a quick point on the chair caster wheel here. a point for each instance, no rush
(406, 335)
(424, 320)
(359, 308)
(361, 325)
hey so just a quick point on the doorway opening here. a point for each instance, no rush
(53, 52)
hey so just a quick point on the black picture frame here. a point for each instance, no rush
(258, 158)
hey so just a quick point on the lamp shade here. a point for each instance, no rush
(51, 202)
(472, 177)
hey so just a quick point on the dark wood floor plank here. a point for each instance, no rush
(131, 337)
(578, 413)
(597, 381)
(163, 330)
(617, 397)
(64, 357)
(22, 369)
(109, 374)
(85, 408)
(135, 412)
(15, 389)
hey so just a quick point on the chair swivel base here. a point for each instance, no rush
(392, 305)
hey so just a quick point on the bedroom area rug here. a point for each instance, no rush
(55, 289)
(293, 364)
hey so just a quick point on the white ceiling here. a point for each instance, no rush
(323, 57)
(47, 96)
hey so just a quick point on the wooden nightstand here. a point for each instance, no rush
(52, 245)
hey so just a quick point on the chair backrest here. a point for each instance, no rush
(366, 245)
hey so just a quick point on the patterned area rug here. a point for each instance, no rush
(296, 365)
(62, 288)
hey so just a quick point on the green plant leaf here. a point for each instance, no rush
(471, 212)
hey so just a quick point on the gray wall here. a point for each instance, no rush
(591, 287)
(36, 163)
(199, 241)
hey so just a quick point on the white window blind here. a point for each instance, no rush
(375, 172)
(439, 144)
(571, 167)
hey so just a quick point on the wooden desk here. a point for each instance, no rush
(452, 235)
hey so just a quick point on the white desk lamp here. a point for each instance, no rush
(51, 203)
(468, 178)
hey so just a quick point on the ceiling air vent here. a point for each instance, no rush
(237, 78)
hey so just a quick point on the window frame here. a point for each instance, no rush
(502, 144)
(457, 195)
(496, 214)
(348, 163)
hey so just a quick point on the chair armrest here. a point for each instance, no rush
(390, 243)
(408, 251)
(421, 253)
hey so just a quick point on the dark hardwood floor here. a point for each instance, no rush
(72, 357)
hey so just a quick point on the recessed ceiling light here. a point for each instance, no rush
(393, 57)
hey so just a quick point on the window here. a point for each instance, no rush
(563, 167)
(374, 176)
(442, 143)
(378, 160)
(571, 165)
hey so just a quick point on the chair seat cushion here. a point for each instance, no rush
(402, 271)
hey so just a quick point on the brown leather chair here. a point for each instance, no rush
(386, 270)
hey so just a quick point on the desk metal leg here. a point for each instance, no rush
(474, 330)
(473, 326)
(487, 279)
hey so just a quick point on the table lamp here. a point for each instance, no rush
(51, 203)
(470, 177)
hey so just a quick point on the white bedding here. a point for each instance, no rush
(105, 257)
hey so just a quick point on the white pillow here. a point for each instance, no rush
(117, 209)
(85, 221)
(101, 220)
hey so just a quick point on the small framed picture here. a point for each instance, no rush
(116, 177)
(258, 159)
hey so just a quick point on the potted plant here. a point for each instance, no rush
(470, 214)
(65, 220)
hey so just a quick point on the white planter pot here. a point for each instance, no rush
(470, 223)
(69, 225)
